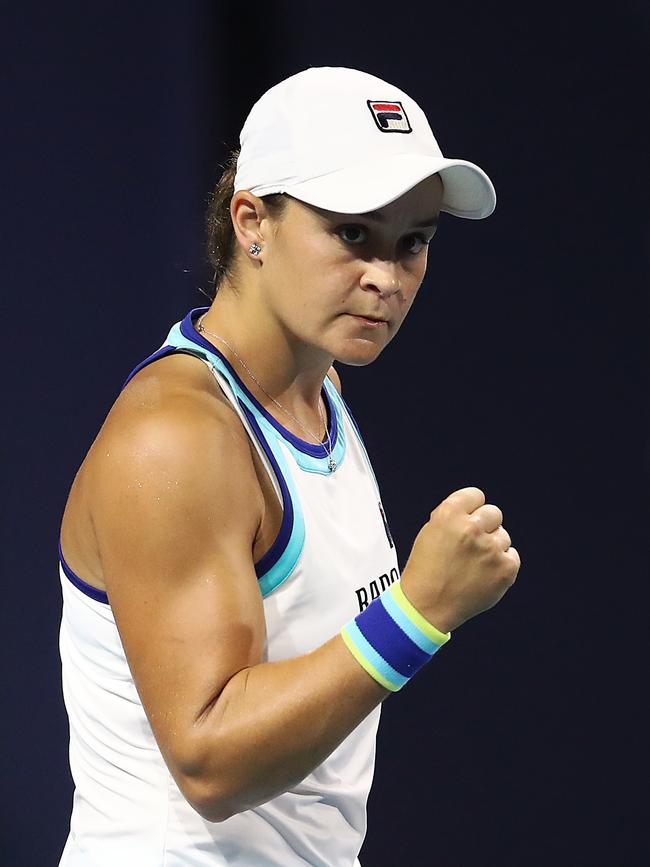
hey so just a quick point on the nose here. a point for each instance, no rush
(381, 276)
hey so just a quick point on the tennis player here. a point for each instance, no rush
(233, 609)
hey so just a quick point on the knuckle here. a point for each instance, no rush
(471, 529)
(495, 556)
(463, 493)
(489, 510)
(442, 510)
(477, 492)
(511, 574)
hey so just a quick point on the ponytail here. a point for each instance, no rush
(221, 240)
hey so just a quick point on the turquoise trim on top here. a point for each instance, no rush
(305, 461)
(278, 573)
(321, 465)
(284, 563)
(310, 457)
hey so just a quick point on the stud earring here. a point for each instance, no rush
(255, 249)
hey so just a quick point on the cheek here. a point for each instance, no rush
(325, 278)
(421, 267)
(310, 260)
(412, 282)
(319, 289)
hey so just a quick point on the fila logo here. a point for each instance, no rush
(389, 116)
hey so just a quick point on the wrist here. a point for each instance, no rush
(434, 614)
(391, 639)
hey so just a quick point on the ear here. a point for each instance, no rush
(250, 221)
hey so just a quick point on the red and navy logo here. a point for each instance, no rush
(389, 115)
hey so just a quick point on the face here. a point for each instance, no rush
(323, 271)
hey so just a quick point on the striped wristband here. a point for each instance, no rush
(391, 639)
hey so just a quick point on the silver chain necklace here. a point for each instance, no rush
(200, 327)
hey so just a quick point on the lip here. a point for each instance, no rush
(369, 320)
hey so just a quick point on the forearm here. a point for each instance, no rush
(275, 722)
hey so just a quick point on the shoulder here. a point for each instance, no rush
(170, 407)
(167, 440)
(336, 379)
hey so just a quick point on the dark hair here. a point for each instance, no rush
(222, 246)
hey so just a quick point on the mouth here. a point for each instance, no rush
(370, 320)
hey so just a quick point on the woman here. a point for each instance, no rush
(225, 650)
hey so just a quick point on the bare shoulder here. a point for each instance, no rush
(175, 397)
(336, 379)
(171, 432)
(172, 460)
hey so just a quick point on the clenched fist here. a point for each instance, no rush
(461, 562)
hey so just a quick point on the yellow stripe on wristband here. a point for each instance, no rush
(366, 664)
(414, 615)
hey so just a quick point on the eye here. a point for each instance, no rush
(356, 234)
(421, 243)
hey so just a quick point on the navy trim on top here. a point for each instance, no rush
(315, 451)
(159, 353)
(271, 557)
(80, 584)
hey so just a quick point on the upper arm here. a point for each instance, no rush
(176, 508)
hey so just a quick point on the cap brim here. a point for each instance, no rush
(468, 191)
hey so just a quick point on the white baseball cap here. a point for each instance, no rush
(346, 141)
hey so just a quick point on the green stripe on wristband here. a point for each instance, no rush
(416, 618)
(368, 658)
(391, 640)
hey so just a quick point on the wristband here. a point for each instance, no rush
(391, 639)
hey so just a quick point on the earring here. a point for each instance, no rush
(255, 249)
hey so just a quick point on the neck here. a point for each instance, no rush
(288, 370)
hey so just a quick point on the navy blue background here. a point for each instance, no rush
(522, 369)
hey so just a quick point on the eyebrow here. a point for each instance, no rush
(376, 216)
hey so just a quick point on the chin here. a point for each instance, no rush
(358, 353)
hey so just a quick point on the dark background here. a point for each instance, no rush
(521, 369)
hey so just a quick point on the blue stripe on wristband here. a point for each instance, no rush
(416, 635)
(394, 679)
(389, 640)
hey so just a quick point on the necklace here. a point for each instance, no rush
(200, 327)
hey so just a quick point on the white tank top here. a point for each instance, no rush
(333, 554)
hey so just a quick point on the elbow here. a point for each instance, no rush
(218, 790)
(208, 800)
(211, 791)
(213, 812)
(217, 802)
(204, 783)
